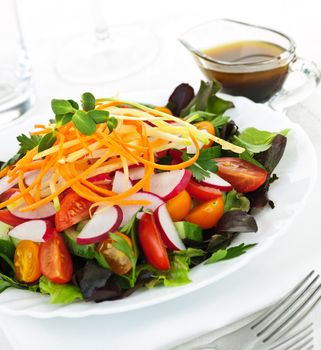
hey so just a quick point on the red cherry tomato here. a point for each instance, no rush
(202, 192)
(73, 209)
(151, 243)
(242, 175)
(10, 219)
(55, 260)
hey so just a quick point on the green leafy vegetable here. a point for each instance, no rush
(62, 119)
(47, 141)
(83, 123)
(16, 284)
(205, 162)
(11, 161)
(217, 105)
(4, 285)
(236, 201)
(112, 123)
(229, 253)
(59, 293)
(188, 230)
(191, 252)
(74, 104)
(98, 116)
(88, 101)
(28, 143)
(7, 248)
(61, 107)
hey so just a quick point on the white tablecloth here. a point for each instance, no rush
(160, 327)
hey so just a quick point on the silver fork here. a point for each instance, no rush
(271, 331)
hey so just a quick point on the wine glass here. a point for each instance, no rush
(108, 54)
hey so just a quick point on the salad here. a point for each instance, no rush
(113, 195)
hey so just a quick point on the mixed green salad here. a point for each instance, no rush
(112, 195)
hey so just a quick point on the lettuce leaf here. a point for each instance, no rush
(236, 201)
(59, 293)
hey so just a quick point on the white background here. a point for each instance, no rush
(47, 26)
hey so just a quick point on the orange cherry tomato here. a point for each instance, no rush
(208, 126)
(179, 206)
(116, 259)
(207, 214)
(164, 109)
(26, 261)
(55, 260)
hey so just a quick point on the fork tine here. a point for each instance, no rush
(292, 303)
(295, 338)
(302, 345)
(283, 301)
(293, 315)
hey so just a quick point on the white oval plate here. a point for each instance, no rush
(297, 174)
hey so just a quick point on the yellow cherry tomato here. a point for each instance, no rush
(207, 214)
(179, 206)
(26, 261)
(205, 125)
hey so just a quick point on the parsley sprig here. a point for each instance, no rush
(205, 162)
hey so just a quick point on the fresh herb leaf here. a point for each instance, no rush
(59, 293)
(62, 119)
(112, 123)
(98, 116)
(47, 141)
(191, 252)
(88, 101)
(246, 155)
(74, 104)
(11, 161)
(83, 123)
(4, 285)
(205, 162)
(229, 253)
(217, 105)
(121, 244)
(220, 120)
(101, 260)
(61, 106)
(236, 201)
(28, 143)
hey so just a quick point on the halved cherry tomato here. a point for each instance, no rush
(207, 214)
(116, 259)
(73, 209)
(26, 262)
(55, 259)
(208, 126)
(242, 175)
(10, 219)
(202, 192)
(151, 243)
(179, 206)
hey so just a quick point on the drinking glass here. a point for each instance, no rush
(16, 93)
(108, 54)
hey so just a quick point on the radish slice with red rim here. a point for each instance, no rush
(130, 210)
(34, 230)
(169, 184)
(136, 173)
(217, 182)
(167, 229)
(121, 183)
(106, 219)
(5, 185)
(100, 179)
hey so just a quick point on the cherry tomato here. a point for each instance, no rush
(116, 259)
(151, 243)
(164, 110)
(242, 175)
(55, 259)
(207, 214)
(179, 206)
(10, 219)
(208, 126)
(73, 209)
(26, 262)
(202, 192)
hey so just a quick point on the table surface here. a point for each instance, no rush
(161, 327)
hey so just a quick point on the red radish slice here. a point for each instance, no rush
(34, 230)
(120, 183)
(31, 176)
(130, 210)
(106, 219)
(136, 173)
(192, 149)
(167, 229)
(45, 211)
(169, 184)
(161, 154)
(176, 154)
(100, 179)
(217, 182)
(5, 185)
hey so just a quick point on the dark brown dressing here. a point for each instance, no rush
(259, 85)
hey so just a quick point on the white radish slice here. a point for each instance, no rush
(34, 230)
(217, 182)
(31, 176)
(167, 229)
(136, 173)
(45, 211)
(130, 210)
(169, 184)
(106, 219)
(5, 185)
(121, 183)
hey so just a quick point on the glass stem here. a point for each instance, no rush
(100, 22)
